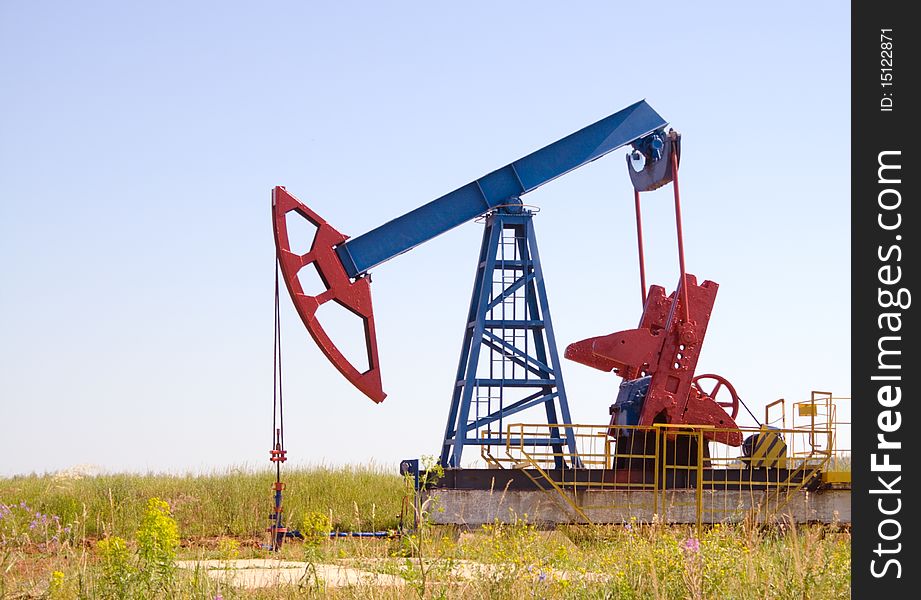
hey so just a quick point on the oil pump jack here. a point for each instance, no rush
(509, 361)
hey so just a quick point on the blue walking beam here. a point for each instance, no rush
(362, 253)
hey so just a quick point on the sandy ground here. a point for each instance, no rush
(260, 573)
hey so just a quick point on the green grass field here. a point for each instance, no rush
(101, 537)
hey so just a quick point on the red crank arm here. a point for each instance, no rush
(352, 295)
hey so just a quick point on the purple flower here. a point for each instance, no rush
(542, 576)
(692, 545)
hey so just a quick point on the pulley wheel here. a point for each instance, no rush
(718, 389)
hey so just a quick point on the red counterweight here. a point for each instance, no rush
(666, 348)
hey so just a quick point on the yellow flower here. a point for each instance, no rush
(56, 585)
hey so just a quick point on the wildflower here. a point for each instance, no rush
(542, 576)
(57, 583)
(692, 545)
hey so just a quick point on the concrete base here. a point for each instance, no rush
(261, 573)
(478, 507)
(355, 574)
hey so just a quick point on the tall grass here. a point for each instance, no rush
(58, 540)
(235, 502)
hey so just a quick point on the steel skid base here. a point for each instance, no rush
(531, 479)
(473, 497)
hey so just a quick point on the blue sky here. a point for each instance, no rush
(139, 143)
